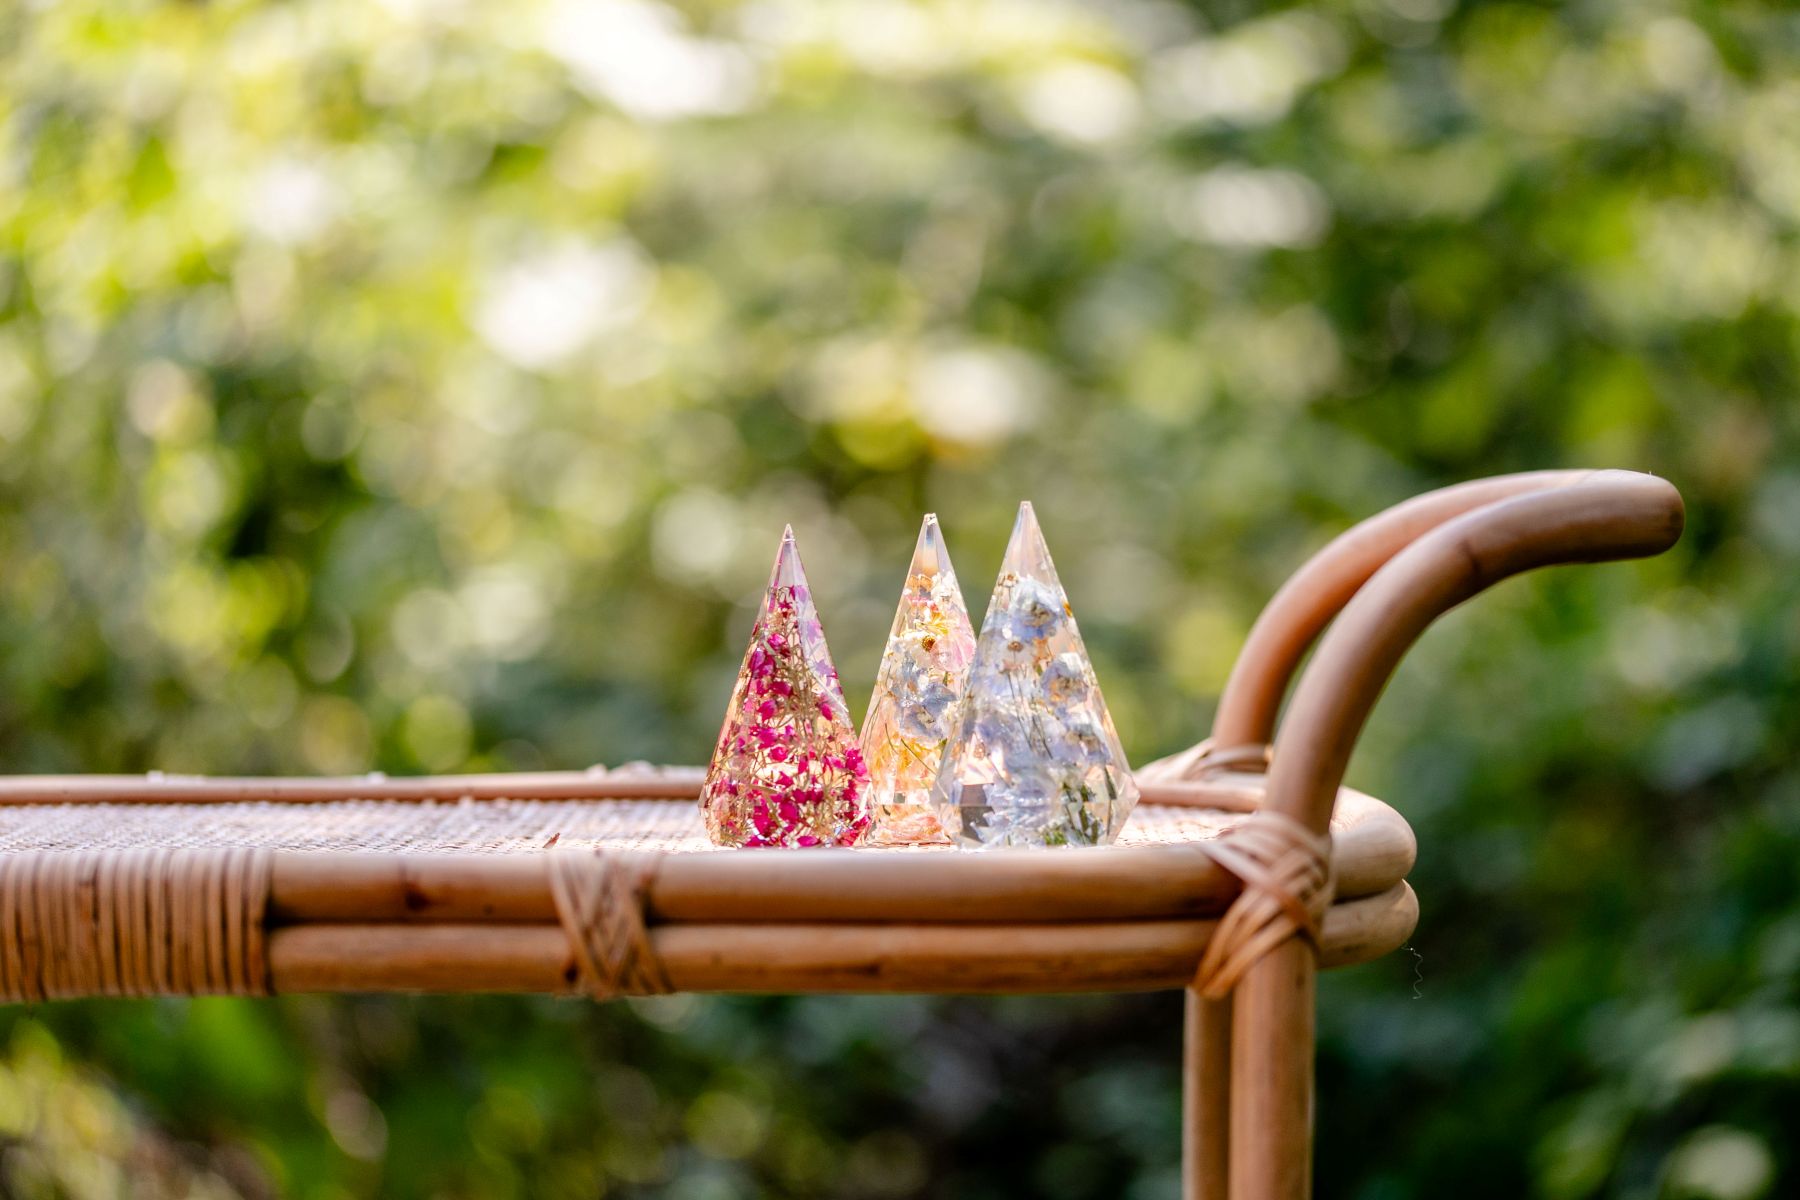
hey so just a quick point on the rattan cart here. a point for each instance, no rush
(1246, 867)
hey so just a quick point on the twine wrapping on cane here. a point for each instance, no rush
(600, 897)
(1250, 757)
(1286, 872)
(168, 922)
(1204, 758)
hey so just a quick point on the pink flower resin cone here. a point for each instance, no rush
(787, 770)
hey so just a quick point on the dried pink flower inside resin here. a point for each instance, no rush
(787, 770)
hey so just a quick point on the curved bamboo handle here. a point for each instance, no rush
(1297, 613)
(1550, 518)
(1294, 617)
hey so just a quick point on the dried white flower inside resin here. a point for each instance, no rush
(1036, 761)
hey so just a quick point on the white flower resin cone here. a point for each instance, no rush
(918, 700)
(1036, 761)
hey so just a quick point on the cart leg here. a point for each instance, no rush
(1205, 1098)
(1272, 1076)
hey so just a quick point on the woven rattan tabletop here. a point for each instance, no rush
(497, 826)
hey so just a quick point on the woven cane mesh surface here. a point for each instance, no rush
(478, 826)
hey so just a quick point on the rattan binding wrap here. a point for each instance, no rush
(133, 923)
(1286, 872)
(600, 899)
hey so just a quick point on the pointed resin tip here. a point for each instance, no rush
(788, 571)
(929, 555)
(1035, 761)
(918, 697)
(1026, 553)
(786, 770)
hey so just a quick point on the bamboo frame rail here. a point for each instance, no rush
(625, 783)
(746, 956)
(1375, 848)
(630, 782)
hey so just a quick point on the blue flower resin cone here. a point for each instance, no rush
(1036, 761)
(917, 705)
(787, 770)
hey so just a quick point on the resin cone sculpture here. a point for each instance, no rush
(918, 700)
(787, 770)
(1036, 761)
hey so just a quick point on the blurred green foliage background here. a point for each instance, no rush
(423, 385)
